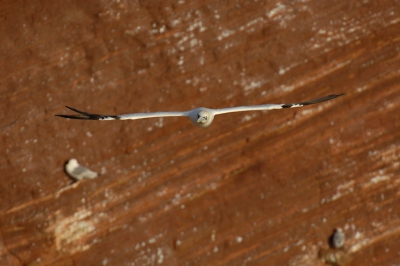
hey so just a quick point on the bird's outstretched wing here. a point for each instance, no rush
(89, 116)
(264, 107)
(323, 99)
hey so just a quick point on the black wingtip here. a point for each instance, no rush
(319, 100)
(336, 95)
(82, 115)
(323, 99)
(73, 109)
(74, 117)
(87, 116)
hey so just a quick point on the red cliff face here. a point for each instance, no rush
(254, 188)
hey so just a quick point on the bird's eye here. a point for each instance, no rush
(198, 115)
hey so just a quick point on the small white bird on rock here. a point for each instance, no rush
(79, 172)
(337, 238)
(201, 117)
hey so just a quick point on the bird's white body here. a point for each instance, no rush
(79, 172)
(338, 238)
(201, 117)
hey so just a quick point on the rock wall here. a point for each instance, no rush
(254, 188)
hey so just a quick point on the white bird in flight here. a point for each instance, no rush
(201, 117)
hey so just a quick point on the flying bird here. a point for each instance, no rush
(79, 172)
(201, 117)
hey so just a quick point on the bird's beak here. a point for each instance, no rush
(202, 120)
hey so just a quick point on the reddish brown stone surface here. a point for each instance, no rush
(257, 188)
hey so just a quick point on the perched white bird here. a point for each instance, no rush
(78, 172)
(201, 117)
(337, 238)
